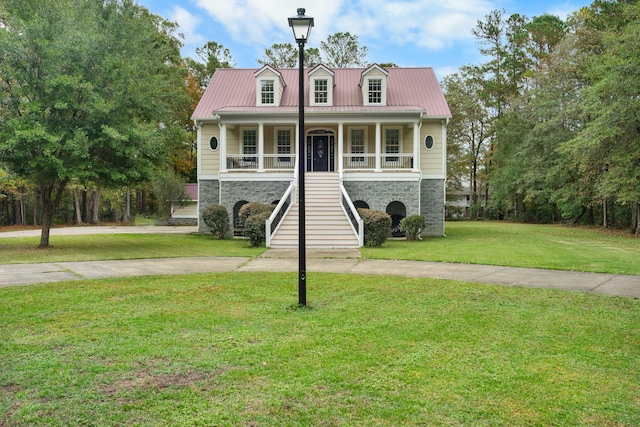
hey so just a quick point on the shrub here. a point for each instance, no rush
(377, 226)
(254, 228)
(412, 226)
(253, 208)
(216, 218)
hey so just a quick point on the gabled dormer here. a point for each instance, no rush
(269, 87)
(321, 83)
(373, 83)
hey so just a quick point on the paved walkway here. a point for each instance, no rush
(334, 261)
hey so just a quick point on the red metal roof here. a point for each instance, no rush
(408, 89)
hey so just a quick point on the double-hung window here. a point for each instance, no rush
(267, 90)
(250, 145)
(284, 145)
(357, 145)
(392, 144)
(321, 91)
(375, 91)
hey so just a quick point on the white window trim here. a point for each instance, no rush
(365, 90)
(400, 139)
(291, 134)
(259, 81)
(350, 139)
(242, 131)
(312, 84)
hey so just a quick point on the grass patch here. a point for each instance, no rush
(553, 247)
(231, 349)
(120, 246)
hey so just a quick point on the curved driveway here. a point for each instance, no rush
(334, 261)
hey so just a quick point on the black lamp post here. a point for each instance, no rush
(301, 26)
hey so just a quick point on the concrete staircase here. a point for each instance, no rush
(327, 226)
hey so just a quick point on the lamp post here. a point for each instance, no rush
(301, 26)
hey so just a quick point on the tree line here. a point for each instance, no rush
(547, 129)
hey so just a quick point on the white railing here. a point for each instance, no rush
(387, 161)
(287, 200)
(279, 161)
(352, 213)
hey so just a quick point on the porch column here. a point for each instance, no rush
(416, 146)
(340, 147)
(260, 147)
(378, 148)
(223, 147)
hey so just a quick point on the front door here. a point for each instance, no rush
(320, 153)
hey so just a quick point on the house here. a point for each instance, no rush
(373, 137)
(187, 214)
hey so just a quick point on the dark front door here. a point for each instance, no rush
(320, 153)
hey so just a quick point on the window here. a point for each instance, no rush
(267, 91)
(250, 143)
(321, 91)
(428, 142)
(213, 143)
(283, 140)
(357, 144)
(375, 91)
(392, 144)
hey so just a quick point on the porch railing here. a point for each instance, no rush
(387, 161)
(352, 213)
(270, 161)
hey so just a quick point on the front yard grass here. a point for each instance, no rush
(555, 247)
(232, 349)
(98, 247)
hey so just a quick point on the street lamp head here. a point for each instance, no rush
(301, 26)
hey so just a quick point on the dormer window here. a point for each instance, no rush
(373, 83)
(321, 82)
(267, 91)
(321, 91)
(269, 87)
(375, 91)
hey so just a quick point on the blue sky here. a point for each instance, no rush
(433, 33)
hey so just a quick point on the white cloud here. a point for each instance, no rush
(188, 24)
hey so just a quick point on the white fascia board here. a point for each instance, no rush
(381, 176)
(256, 177)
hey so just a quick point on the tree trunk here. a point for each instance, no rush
(95, 207)
(635, 217)
(577, 220)
(77, 212)
(23, 207)
(605, 224)
(49, 206)
(35, 206)
(17, 216)
(127, 206)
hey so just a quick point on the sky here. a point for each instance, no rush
(409, 33)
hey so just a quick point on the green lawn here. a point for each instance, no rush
(519, 245)
(233, 350)
(554, 247)
(120, 246)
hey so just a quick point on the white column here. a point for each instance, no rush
(340, 147)
(200, 147)
(416, 146)
(223, 147)
(260, 147)
(378, 148)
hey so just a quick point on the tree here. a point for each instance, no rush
(211, 57)
(343, 50)
(89, 90)
(285, 55)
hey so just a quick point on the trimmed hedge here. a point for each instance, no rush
(254, 227)
(216, 218)
(377, 226)
(253, 208)
(412, 226)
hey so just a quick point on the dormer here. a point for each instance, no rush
(321, 84)
(373, 83)
(269, 87)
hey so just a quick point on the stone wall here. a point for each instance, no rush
(378, 194)
(228, 193)
(432, 206)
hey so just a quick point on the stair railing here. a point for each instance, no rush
(352, 213)
(287, 200)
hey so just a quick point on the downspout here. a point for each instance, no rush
(223, 142)
(418, 163)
